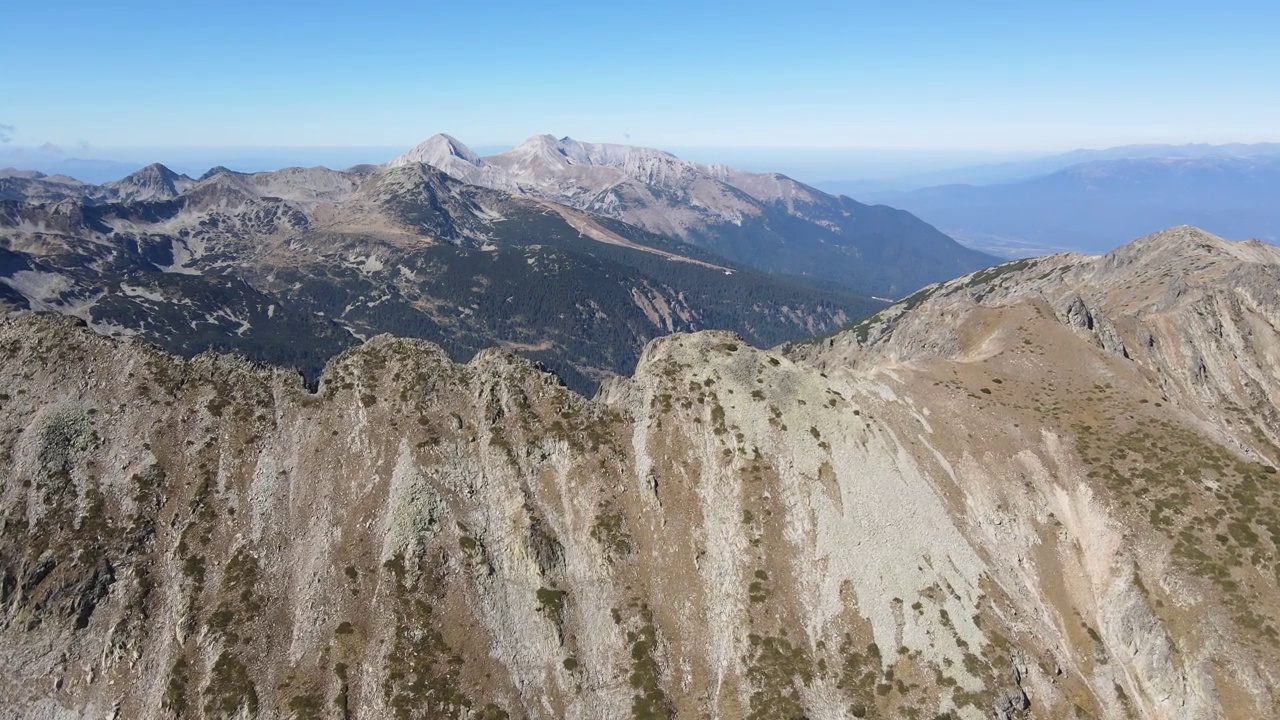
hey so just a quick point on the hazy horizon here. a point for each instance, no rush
(879, 168)
(817, 163)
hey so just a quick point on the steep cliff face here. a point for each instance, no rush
(1029, 524)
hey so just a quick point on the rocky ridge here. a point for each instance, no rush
(765, 220)
(979, 504)
(294, 265)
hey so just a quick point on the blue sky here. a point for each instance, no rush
(975, 75)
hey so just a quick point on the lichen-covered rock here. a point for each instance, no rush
(1077, 314)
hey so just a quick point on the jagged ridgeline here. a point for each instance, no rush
(1048, 492)
(764, 220)
(291, 267)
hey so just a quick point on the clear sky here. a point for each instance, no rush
(895, 74)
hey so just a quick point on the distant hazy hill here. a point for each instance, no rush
(1095, 206)
(98, 165)
(1015, 171)
(89, 171)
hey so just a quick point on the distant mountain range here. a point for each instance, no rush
(1095, 206)
(766, 220)
(84, 170)
(102, 165)
(1087, 200)
(293, 266)
(1014, 171)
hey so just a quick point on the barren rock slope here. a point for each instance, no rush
(979, 506)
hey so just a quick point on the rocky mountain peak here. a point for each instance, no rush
(616, 155)
(537, 152)
(223, 190)
(153, 182)
(1184, 247)
(405, 169)
(1177, 288)
(152, 173)
(1183, 240)
(401, 177)
(561, 152)
(768, 221)
(215, 170)
(10, 172)
(439, 150)
(1171, 268)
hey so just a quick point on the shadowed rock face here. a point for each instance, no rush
(970, 507)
